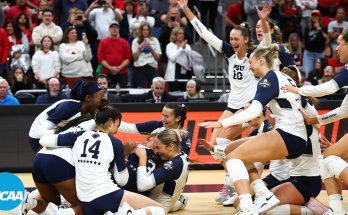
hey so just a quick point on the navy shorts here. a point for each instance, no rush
(271, 181)
(45, 168)
(295, 145)
(308, 186)
(233, 110)
(109, 202)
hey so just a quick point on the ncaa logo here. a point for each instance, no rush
(11, 191)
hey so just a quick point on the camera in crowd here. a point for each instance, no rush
(101, 2)
(79, 17)
(172, 18)
(142, 3)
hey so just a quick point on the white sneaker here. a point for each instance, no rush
(331, 212)
(225, 193)
(183, 199)
(229, 202)
(247, 211)
(265, 202)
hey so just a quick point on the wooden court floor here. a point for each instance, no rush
(202, 188)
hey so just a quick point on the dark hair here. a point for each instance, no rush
(47, 10)
(105, 113)
(66, 33)
(171, 136)
(52, 43)
(246, 32)
(27, 24)
(179, 110)
(102, 76)
(277, 34)
(13, 79)
(81, 89)
(16, 30)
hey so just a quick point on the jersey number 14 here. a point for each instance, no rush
(94, 149)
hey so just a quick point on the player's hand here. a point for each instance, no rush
(205, 144)
(266, 10)
(289, 88)
(308, 120)
(182, 3)
(210, 124)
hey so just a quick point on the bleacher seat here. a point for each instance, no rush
(25, 98)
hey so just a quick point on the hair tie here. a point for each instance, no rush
(177, 133)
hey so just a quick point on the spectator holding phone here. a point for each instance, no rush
(101, 13)
(142, 16)
(62, 8)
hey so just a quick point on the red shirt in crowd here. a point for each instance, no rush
(14, 11)
(114, 52)
(235, 13)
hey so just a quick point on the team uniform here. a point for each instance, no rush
(285, 107)
(95, 155)
(60, 112)
(132, 165)
(242, 81)
(168, 181)
(152, 127)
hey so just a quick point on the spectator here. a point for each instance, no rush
(142, 16)
(82, 25)
(47, 27)
(173, 20)
(54, 92)
(234, 16)
(157, 94)
(104, 85)
(193, 91)
(13, 12)
(177, 46)
(4, 50)
(209, 7)
(19, 80)
(5, 97)
(294, 45)
(146, 52)
(75, 57)
(289, 18)
(327, 7)
(337, 26)
(314, 40)
(318, 72)
(20, 58)
(62, 8)
(307, 6)
(158, 7)
(165, 16)
(46, 62)
(114, 65)
(101, 13)
(25, 24)
(329, 73)
(17, 37)
(129, 13)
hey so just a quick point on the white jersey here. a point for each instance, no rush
(280, 169)
(64, 152)
(59, 113)
(242, 81)
(95, 153)
(168, 181)
(308, 163)
(285, 106)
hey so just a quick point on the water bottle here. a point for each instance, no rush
(118, 89)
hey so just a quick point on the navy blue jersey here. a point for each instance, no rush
(341, 78)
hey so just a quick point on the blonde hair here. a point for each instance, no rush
(269, 53)
(172, 136)
(174, 32)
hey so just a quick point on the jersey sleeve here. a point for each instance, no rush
(267, 89)
(170, 170)
(207, 35)
(63, 111)
(227, 50)
(323, 89)
(63, 140)
(341, 78)
(148, 127)
(128, 128)
(335, 114)
(120, 169)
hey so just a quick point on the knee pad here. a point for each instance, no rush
(156, 210)
(236, 170)
(335, 165)
(324, 172)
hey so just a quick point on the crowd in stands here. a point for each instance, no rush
(133, 43)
